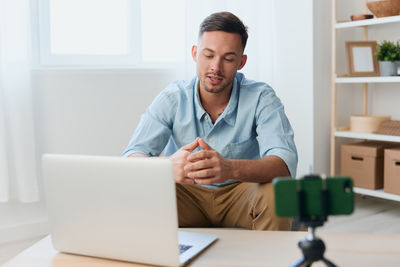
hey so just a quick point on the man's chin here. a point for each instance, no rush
(214, 90)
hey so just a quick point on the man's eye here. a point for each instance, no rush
(229, 59)
(208, 56)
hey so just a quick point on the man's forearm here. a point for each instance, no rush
(260, 170)
(137, 155)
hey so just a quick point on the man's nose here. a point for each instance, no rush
(216, 65)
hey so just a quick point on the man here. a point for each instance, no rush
(227, 136)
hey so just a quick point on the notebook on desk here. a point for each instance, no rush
(117, 208)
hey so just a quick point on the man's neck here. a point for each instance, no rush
(215, 103)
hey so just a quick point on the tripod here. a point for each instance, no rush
(313, 248)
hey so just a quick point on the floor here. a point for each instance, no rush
(371, 215)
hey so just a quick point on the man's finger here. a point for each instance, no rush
(187, 181)
(204, 145)
(198, 165)
(202, 174)
(192, 146)
(205, 181)
(203, 154)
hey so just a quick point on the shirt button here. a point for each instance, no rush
(206, 117)
(210, 140)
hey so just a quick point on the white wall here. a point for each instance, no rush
(322, 85)
(294, 74)
(303, 78)
(93, 111)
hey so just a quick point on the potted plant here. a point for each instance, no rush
(398, 61)
(388, 55)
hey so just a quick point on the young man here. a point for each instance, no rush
(227, 136)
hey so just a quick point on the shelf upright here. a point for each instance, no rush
(333, 90)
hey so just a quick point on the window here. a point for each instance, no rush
(110, 32)
(163, 30)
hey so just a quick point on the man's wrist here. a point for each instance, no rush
(235, 167)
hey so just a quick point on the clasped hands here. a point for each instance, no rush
(203, 167)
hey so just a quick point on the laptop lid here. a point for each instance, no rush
(114, 207)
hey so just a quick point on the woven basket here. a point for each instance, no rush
(384, 8)
(389, 128)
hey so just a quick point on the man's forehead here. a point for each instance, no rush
(219, 41)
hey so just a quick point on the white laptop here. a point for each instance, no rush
(117, 208)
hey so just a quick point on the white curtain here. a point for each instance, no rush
(258, 15)
(18, 171)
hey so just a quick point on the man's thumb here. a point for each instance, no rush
(192, 146)
(204, 145)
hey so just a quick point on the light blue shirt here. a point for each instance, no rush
(252, 126)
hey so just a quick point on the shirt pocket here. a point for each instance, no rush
(243, 150)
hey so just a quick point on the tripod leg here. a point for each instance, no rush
(328, 262)
(302, 262)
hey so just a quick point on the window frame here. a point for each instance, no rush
(46, 59)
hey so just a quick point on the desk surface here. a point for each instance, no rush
(244, 248)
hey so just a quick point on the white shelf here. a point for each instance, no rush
(379, 79)
(368, 136)
(376, 193)
(367, 22)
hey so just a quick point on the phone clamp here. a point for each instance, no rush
(313, 248)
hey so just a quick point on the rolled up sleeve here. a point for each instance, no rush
(275, 134)
(154, 129)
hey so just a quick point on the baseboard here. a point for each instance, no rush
(12, 233)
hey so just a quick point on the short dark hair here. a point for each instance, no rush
(224, 21)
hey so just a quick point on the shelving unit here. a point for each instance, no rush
(367, 22)
(376, 193)
(366, 136)
(335, 133)
(387, 79)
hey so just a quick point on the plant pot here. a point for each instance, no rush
(388, 68)
(398, 67)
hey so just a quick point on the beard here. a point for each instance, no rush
(215, 89)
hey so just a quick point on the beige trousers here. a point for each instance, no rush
(244, 205)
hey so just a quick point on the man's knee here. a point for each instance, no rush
(190, 211)
(263, 210)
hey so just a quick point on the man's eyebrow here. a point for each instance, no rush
(226, 54)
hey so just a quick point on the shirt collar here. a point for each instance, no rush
(229, 113)
(199, 108)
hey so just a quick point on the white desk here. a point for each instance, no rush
(244, 248)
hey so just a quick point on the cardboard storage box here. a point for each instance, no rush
(364, 163)
(391, 182)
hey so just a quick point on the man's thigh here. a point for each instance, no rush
(193, 204)
(250, 206)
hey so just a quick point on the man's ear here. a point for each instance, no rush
(242, 62)
(194, 53)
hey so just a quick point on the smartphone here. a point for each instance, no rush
(338, 191)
